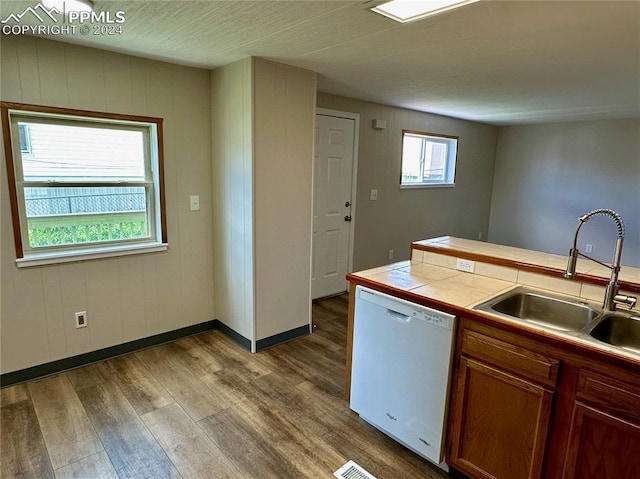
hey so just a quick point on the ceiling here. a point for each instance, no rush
(497, 62)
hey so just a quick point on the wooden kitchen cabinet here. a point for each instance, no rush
(521, 408)
(604, 438)
(500, 415)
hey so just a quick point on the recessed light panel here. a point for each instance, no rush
(404, 11)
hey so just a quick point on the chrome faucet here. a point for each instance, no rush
(611, 296)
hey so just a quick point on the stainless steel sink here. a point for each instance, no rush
(548, 310)
(618, 329)
(569, 317)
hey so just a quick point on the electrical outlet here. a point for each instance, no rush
(390, 254)
(588, 248)
(465, 265)
(373, 195)
(81, 319)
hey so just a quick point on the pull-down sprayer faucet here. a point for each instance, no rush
(611, 296)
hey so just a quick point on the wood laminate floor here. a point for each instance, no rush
(201, 407)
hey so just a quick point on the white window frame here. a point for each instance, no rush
(153, 183)
(450, 168)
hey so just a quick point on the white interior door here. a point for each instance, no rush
(332, 204)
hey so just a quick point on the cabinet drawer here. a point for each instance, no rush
(610, 394)
(511, 357)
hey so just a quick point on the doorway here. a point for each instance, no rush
(334, 201)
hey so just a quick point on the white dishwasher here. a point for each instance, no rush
(401, 369)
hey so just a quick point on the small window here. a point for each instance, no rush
(25, 139)
(84, 183)
(428, 159)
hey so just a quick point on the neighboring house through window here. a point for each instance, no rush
(428, 159)
(83, 184)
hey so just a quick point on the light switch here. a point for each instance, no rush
(194, 202)
(374, 195)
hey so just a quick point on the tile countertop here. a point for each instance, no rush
(455, 288)
(432, 280)
(519, 256)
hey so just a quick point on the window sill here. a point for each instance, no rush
(427, 185)
(40, 259)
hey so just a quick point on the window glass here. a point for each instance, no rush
(64, 216)
(427, 159)
(72, 152)
(83, 183)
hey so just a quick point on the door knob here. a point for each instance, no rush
(347, 218)
(347, 204)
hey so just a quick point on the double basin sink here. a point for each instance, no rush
(569, 316)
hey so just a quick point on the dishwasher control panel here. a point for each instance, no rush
(399, 308)
(435, 318)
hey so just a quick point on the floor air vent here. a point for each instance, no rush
(352, 471)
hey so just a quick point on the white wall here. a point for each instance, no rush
(549, 175)
(284, 123)
(399, 217)
(232, 130)
(263, 126)
(130, 297)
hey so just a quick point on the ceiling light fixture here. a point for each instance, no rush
(404, 11)
(64, 6)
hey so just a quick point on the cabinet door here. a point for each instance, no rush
(602, 446)
(499, 425)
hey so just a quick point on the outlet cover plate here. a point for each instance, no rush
(465, 265)
(81, 319)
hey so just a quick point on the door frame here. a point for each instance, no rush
(354, 175)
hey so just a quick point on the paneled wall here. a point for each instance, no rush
(284, 119)
(263, 126)
(399, 217)
(549, 175)
(129, 297)
(231, 94)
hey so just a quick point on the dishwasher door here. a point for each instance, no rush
(401, 365)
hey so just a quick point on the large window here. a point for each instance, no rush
(428, 159)
(83, 184)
